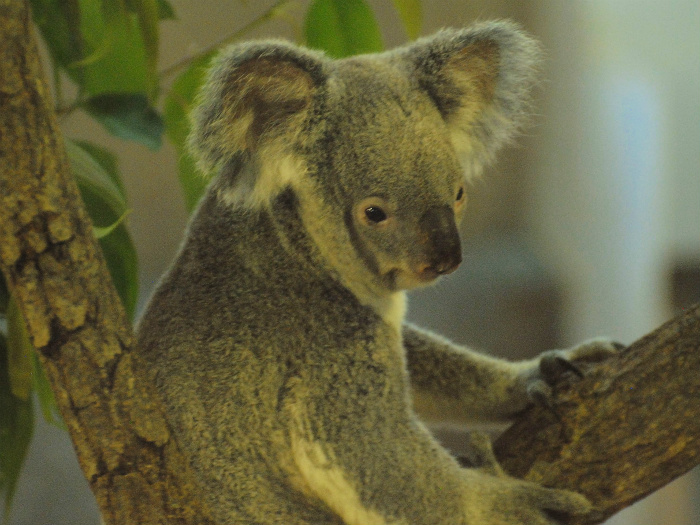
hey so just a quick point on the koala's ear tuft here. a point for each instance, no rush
(255, 93)
(479, 79)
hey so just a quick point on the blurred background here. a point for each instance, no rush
(589, 226)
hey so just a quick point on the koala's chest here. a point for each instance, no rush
(337, 353)
(330, 347)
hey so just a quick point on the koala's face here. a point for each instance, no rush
(394, 174)
(369, 145)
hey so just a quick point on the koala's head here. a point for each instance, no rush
(376, 148)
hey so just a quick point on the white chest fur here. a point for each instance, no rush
(394, 310)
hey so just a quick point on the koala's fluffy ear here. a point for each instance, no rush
(479, 78)
(257, 95)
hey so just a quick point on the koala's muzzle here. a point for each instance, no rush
(442, 250)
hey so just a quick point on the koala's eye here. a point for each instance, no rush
(375, 214)
(460, 194)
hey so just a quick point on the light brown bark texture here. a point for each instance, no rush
(56, 272)
(630, 426)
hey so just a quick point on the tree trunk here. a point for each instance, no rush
(629, 427)
(55, 270)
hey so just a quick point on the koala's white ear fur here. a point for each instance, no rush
(253, 104)
(480, 79)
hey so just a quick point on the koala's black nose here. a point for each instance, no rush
(443, 248)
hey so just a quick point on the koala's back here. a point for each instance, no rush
(244, 367)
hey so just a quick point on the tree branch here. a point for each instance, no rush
(55, 270)
(628, 428)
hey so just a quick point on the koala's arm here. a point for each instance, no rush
(451, 383)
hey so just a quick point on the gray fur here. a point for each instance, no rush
(508, 110)
(277, 338)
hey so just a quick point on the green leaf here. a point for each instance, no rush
(122, 262)
(102, 231)
(19, 352)
(147, 13)
(98, 181)
(59, 23)
(177, 107)
(411, 14)
(89, 172)
(166, 11)
(103, 46)
(128, 116)
(107, 161)
(342, 28)
(16, 426)
(123, 66)
(192, 181)
(44, 393)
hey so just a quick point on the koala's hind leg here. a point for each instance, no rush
(401, 476)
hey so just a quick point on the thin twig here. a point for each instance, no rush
(267, 15)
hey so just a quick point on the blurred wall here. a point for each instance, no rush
(614, 197)
(575, 232)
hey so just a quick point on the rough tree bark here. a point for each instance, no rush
(55, 270)
(629, 427)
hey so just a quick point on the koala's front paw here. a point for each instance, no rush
(553, 365)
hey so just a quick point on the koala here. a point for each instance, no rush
(277, 338)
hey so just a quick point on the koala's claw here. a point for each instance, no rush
(540, 393)
(553, 365)
(556, 363)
